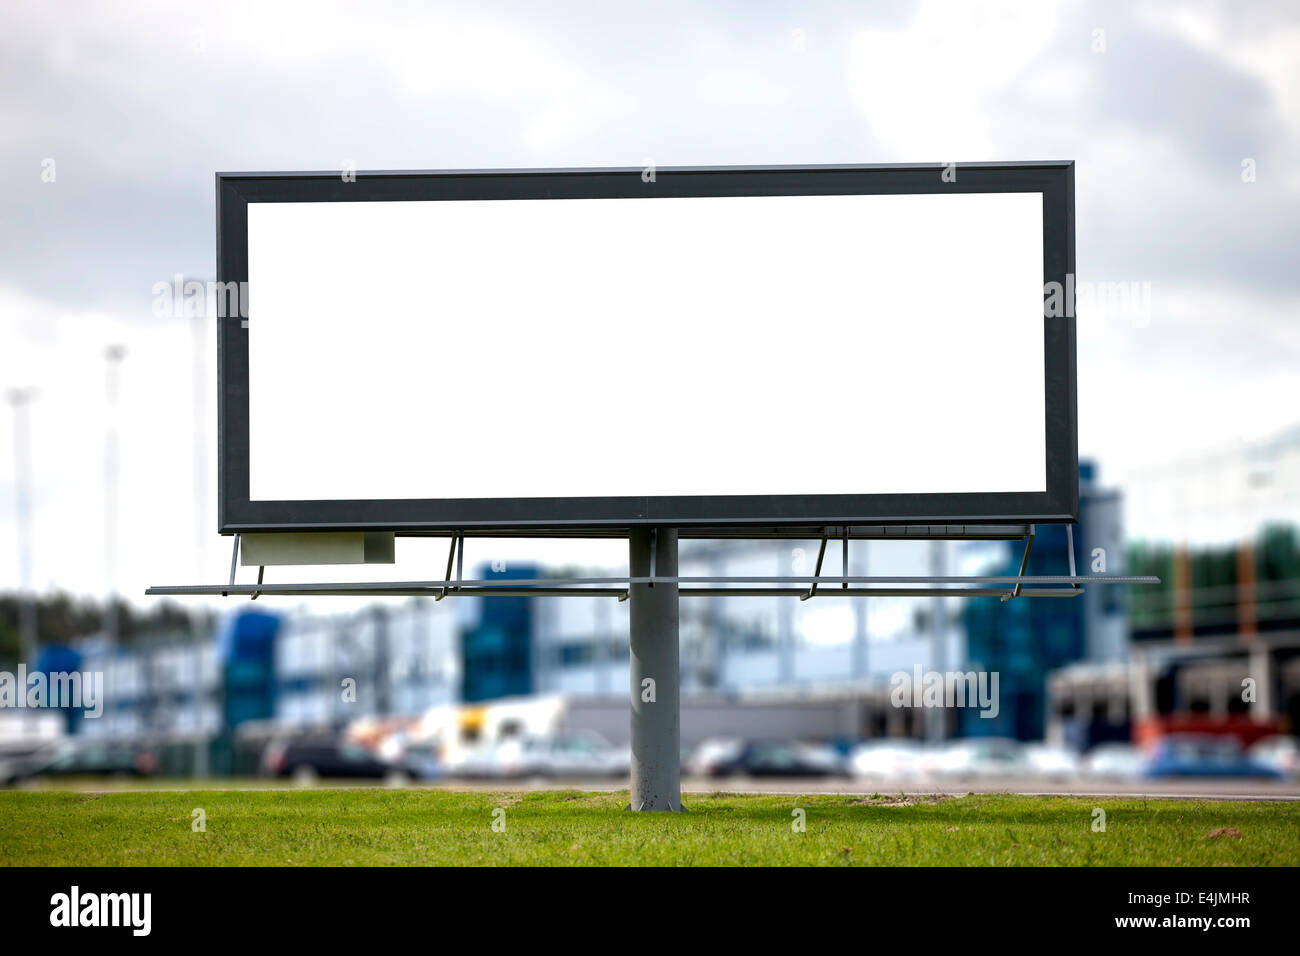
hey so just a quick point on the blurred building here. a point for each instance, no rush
(828, 660)
(497, 642)
(1216, 646)
(1112, 664)
(1025, 641)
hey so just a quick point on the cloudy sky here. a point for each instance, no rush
(1183, 119)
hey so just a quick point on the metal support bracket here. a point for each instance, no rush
(844, 560)
(1031, 586)
(654, 547)
(801, 586)
(1024, 564)
(456, 542)
(234, 561)
(260, 569)
(1069, 543)
(817, 572)
(460, 558)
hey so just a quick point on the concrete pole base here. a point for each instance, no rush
(643, 809)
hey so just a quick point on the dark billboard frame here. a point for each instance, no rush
(237, 513)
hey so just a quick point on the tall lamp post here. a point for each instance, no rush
(198, 329)
(20, 399)
(936, 717)
(113, 355)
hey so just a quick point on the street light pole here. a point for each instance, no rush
(20, 399)
(937, 716)
(198, 636)
(114, 355)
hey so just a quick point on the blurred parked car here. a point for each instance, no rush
(780, 758)
(423, 761)
(486, 761)
(1114, 761)
(578, 754)
(1050, 763)
(307, 758)
(89, 759)
(421, 757)
(711, 753)
(978, 757)
(887, 760)
(1204, 755)
(1278, 751)
(566, 755)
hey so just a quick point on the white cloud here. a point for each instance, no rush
(69, 421)
(926, 86)
(1259, 45)
(138, 120)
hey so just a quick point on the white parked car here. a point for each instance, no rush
(575, 754)
(578, 754)
(712, 753)
(887, 760)
(978, 757)
(1051, 763)
(1278, 751)
(1114, 761)
(485, 760)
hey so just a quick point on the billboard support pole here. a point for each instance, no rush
(655, 672)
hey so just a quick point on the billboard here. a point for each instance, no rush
(560, 351)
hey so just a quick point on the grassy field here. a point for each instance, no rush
(379, 827)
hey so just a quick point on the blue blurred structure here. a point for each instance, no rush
(1024, 641)
(497, 646)
(57, 659)
(1204, 755)
(246, 650)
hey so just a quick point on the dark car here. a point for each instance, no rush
(779, 758)
(1204, 755)
(89, 759)
(307, 757)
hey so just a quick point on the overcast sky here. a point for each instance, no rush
(133, 106)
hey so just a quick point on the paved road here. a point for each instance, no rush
(1181, 789)
(1227, 789)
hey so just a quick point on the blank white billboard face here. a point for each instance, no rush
(764, 345)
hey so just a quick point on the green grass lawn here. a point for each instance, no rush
(379, 827)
